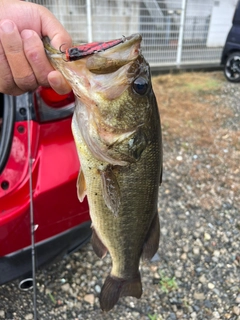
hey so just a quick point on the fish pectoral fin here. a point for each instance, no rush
(137, 144)
(81, 186)
(130, 145)
(115, 287)
(151, 244)
(111, 190)
(111, 139)
(98, 247)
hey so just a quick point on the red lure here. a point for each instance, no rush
(81, 51)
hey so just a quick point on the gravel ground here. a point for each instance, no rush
(196, 272)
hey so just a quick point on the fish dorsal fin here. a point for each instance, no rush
(152, 240)
(111, 190)
(161, 174)
(81, 186)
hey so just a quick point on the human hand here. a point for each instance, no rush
(23, 62)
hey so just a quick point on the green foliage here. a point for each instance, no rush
(203, 86)
(154, 317)
(167, 284)
(52, 298)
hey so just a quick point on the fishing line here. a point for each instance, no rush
(32, 226)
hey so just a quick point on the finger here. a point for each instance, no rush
(6, 79)
(7, 84)
(52, 28)
(36, 56)
(13, 48)
(58, 83)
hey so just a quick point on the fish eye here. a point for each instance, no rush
(140, 85)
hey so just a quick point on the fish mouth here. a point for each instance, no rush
(105, 59)
(126, 43)
(113, 58)
(109, 71)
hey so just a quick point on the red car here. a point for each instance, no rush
(38, 169)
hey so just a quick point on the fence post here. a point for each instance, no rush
(89, 21)
(181, 32)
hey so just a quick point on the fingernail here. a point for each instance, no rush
(7, 26)
(26, 34)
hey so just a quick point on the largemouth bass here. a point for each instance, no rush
(116, 127)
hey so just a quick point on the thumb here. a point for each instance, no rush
(52, 28)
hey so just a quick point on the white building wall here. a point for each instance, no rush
(199, 7)
(221, 21)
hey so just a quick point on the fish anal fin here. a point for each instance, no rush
(81, 186)
(151, 244)
(115, 287)
(111, 190)
(98, 247)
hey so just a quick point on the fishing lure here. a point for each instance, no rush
(81, 51)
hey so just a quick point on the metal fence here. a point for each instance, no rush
(175, 32)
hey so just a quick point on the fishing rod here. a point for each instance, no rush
(32, 225)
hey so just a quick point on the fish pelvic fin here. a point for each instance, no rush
(115, 287)
(98, 247)
(151, 244)
(81, 186)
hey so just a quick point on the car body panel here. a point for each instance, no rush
(232, 43)
(230, 58)
(58, 214)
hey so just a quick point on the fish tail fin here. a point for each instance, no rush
(114, 288)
